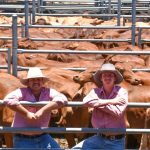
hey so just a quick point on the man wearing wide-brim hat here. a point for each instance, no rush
(109, 101)
(35, 91)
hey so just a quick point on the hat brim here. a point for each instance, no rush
(24, 81)
(98, 74)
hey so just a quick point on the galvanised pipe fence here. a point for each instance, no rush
(15, 50)
(8, 66)
(140, 39)
(27, 26)
(74, 130)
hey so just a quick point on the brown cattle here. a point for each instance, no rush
(145, 140)
(136, 94)
(77, 116)
(137, 77)
(135, 60)
(8, 83)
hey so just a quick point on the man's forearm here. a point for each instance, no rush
(19, 108)
(50, 106)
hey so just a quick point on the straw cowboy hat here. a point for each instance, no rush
(34, 72)
(107, 68)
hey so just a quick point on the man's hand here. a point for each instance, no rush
(38, 114)
(118, 101)
(31, 116)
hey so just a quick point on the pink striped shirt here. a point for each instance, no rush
(109, 116)
(25, 94)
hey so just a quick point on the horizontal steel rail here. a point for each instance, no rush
(106, 1)
(73, 130)
(21, 51)
(84, 15)
(8, 38)
(20, 68)
(5, 25)
(8, 25)
(79, 27)
(5, 38)
(3, 67)
(145, 40)
(71, 8)
(85, 52)
(71, 1)
(141, 69)
(77, 104)
(130, 9)
(13, 6)
(144, 27)
(3, 50)
(137, 16)
(93, 7)
(10, 14)
(80, 40)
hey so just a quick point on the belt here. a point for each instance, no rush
(30, 136)
(112, 137)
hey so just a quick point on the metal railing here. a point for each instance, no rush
(21, 51)
(27, 26)
(74, 130)
(8, 67)
(140, 39)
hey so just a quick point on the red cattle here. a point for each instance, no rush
(145, 140)
(8, 83)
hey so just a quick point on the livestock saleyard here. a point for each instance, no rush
(136, 113)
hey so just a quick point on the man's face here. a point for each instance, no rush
(35, 83)
(108, 78)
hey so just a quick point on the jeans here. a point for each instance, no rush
(44, 141)
(97, 142)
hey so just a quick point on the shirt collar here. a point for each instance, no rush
(114, 91)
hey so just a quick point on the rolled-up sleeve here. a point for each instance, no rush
(58, 97)
(13, 98)
(117, 110)
(91, 100)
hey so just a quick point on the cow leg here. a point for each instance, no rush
(8, 139)
(1, 140)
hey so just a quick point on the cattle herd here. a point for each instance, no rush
(76, 84)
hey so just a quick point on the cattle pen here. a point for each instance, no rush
(106, 10)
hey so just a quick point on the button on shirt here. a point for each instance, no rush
(25, 94)
(108, 116)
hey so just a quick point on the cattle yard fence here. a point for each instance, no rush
(16, 51)
(8, 66)
(27, 26)
(74, 130)
(142, 40)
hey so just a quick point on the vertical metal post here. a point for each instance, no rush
(139, 37)
(33, 11)
(39, 4)
(22, 30)
(109, 8)
(42, 4)
(133, 20)
(96, 3)
(9, 60)
(119, 13)
(26, 19)
(14, 45)
(124, 20)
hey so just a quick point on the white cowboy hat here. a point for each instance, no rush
(34, 72)
(107, 68)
